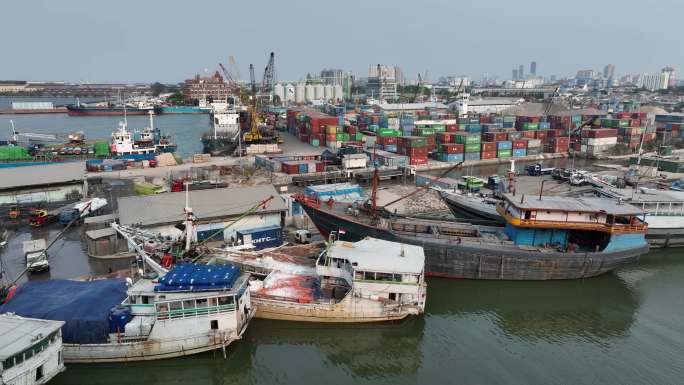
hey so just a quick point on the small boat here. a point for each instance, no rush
(351, 282)
(30, 350)
(140, 145)
(472, 208)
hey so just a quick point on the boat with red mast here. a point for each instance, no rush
(545, 238)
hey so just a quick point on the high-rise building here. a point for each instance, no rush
(649, 81)
(383, 81)
(609, 71)
(668, 79)
(521, 72)
(514, 75)
(533, 68)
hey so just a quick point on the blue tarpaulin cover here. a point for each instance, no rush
(84, 306)
(196, 277)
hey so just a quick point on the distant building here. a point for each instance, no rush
(667, 78)
(12, 86)
(383, 81)
(533, 68)
(460, 80)
(609, 71)
(649, 81)
(210, 87)
(521, 72)
(514, 75)
(338, 77)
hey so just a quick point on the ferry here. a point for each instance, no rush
(371, 280)
(30, 350)
(545, 238)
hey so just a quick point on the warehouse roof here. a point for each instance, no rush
(567, 204)
(211, 204)
(58, 173)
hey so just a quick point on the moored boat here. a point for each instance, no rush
(578, 238)
(351, 282)
(191, 309)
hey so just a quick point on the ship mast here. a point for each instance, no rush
(374, 189)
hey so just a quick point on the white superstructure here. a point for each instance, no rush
(30, 350)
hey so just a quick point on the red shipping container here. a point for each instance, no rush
(577, 146)
(415, 151)
(444, 137)
(330, 138)
(418, 161)
(489, 146)
(541, 134)
(528, 134)
(386, 140)
(488, 154)
(599, 133)
(635, 123)
(452, 127)
(499, 136)
(320, 167)
(451, 148)
(519, 144)
(351, 130)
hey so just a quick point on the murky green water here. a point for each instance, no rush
(623, 328)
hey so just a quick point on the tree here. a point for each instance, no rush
(157, 88)
(177, 99)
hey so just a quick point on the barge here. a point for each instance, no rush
(544, 239)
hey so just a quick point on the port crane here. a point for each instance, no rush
(258, 97)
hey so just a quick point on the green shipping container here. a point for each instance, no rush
(530, 126)
(623, 123)
(416, 141)
(101, 148)
(14, 153)
(472, 147)
(439, 127)
(388, 132)
(342, 137)
(315, 142)
(425, 132)
(509, 119)
(504, 153)
(359, 136)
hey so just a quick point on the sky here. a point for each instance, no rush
(169, 41)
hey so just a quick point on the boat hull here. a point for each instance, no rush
(471, 212)
(349, 310)
(450, 259)
(104, 111)
(219, 146)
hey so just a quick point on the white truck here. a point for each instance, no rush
(36, 255)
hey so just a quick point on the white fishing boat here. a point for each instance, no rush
(370, 280)
(30, 350)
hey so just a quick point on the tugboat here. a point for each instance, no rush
(140, 145)
(545, 238)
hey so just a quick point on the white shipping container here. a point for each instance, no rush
(531, 143)
(601, 141)
(354, 162)
(311, 167)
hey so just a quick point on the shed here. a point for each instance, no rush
(49, 183)
(104, 242)
(214, 209)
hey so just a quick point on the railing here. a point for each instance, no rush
(183, 313)
(572, 225)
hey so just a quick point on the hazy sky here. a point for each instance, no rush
(149, 40)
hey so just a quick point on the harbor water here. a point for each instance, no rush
(185, 130)
(620, 328)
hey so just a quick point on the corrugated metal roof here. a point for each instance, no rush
(107, 218)
(14, 177)
(586, 205)
(19, 333)
(211, 204)
(371, 254)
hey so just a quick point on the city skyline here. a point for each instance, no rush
(173, 42)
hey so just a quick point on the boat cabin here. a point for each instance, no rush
(30, 350)
(377, 269)
(588, 224)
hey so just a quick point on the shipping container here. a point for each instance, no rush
(504, 145)
(517, 152)
(503, 153)
(471, 156)
(261, 237)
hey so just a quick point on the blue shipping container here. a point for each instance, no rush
(544, 125)
(519, 152)
(508, 124)
(391, 147)
(471, 156)
(450, 157)
(504, 145)
(262, 237)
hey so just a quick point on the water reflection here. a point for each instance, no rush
(591, 309)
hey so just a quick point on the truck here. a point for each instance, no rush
(302, 236)
(35, 255)
(538, 170)
(261, 237)
(81, 210)
(352, 161)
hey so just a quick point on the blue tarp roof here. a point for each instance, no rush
(197, 277)
(84, 306)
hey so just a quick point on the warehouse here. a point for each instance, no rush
(214, 209)
(53, 183)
